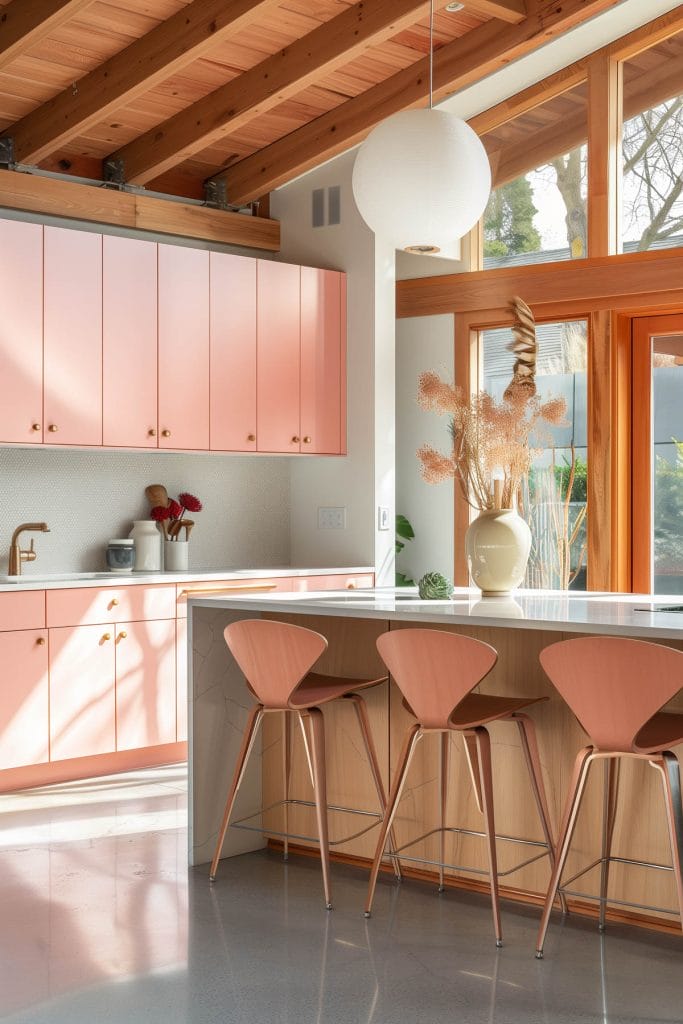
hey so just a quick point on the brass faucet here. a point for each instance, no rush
(16, 554)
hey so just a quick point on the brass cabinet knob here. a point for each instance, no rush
(251, 437)
(165, 433)
(350, 585)
(114, 602)
(41, 641)
(53, 428)
(151, 432)
(307, 440)
(36, 426)
(295, 439)
(122, 635)
(106, 636)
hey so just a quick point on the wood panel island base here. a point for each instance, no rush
(519, 629)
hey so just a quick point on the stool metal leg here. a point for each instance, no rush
(611, 785)
(671, 780)
(248, 737)
(371, 751)
(527, 735)
(576, 788)
(318, 756)
(286, 771)
(486, 776)
(411, 740)
(444, 741)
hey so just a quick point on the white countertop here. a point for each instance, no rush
(571, 612)
(57, 581)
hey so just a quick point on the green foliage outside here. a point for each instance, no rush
(404, 532)
(668, 512)
(509, 221)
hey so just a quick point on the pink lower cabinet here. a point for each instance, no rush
(24, 733)
(82, 695)
(145, 683)
(181, 680)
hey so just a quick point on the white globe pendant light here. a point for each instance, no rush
(421, 178)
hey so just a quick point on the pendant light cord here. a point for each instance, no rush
(431, 54)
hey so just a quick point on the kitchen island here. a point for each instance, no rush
(519, 628)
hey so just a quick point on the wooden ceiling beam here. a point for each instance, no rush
(331, 45)
(53, 196)
(456, 65)
(169, 47)
(512, 11)
(23, 23)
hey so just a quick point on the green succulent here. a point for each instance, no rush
(434, 587)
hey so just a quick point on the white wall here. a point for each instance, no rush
(86, 497)
(365, 478)
(422, 343)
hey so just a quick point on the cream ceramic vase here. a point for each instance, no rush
(497, 546)
(147, 539)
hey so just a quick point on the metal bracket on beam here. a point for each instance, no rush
(7, 153)
(114, 174)
(216, 194)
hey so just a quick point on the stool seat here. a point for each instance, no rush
(662, 731)
(481, 708)
(315, 689)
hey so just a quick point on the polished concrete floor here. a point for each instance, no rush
(100, 922)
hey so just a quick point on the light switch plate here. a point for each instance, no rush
(382, 518)
(332, 518)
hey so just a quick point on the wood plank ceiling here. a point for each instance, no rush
(173, 92)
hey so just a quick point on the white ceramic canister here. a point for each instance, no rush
(176, 555)
(147, 539)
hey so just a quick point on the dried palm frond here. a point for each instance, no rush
(524, 347)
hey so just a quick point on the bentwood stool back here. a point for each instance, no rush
(276, 659)
(436, 672)
(616, 688)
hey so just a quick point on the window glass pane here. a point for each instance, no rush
(667, 497)
(537, 210)
(652, 193)
(554, 501)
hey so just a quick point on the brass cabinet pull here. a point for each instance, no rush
(36, 426)
(151, 432)
(41, 641)
(122, 635)
(165, 433)
(106, 636)
(114, 602)
(295, 439)
(53, 428)
(307, 440)
(251, 437)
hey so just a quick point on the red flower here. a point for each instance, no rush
(189, 502)
(175, 510)
(160, 513)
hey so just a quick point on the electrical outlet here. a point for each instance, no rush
(332, 518)
(382, 518)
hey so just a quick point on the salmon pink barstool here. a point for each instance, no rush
(436, 672)
(276, 659)
(616, 687)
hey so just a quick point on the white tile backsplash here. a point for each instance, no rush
(86, 497)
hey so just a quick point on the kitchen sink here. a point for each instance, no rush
(57, 577)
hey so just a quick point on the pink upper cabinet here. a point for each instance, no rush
(21, 332)
(129, 343)
(233, 353)
(183, 347)
(321, 361)
(72, 337)
(278, 356)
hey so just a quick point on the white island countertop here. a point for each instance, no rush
(634, 615)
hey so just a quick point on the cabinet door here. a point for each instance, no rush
(129, 343)
(233, 353)
(73, 337)
(21, 332)
(82, 702)
(183, 348)
(181, 681)
(277, 357)
(321, 345)
(145, 684)
(24, 733)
